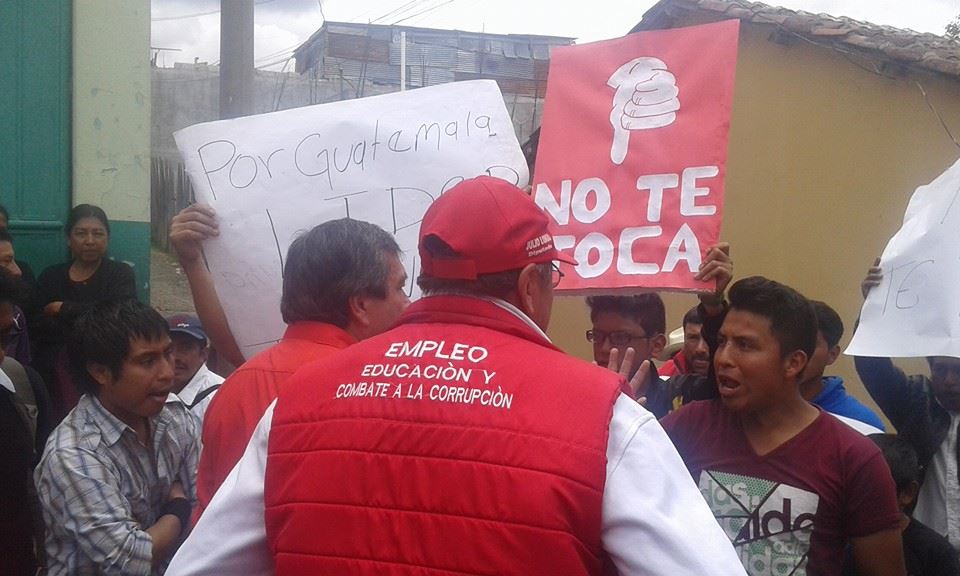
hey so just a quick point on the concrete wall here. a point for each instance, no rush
(111, 122)
(188, 94)
(824, 156)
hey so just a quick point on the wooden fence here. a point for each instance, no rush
(170, 192)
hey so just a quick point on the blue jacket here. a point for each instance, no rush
(834, 399)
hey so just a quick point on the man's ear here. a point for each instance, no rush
(833, 354)
(359, 311)
(794, 363)
(530, 289)
(908, 496)
(657, 344)
(100, 373)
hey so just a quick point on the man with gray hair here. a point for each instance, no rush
(462, 441)
(342, 282)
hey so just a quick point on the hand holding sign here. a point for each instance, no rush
(190, 228)
(910, 307)
(646, 97)
(718, 266)
(873, 279)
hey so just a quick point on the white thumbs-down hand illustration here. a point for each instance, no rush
(645, 98)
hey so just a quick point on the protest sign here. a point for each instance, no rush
(632, 155)
(382, 159)
(915, 310)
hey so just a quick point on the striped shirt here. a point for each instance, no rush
(100, 489)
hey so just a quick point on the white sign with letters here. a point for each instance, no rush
(915, 311)
(382, 159)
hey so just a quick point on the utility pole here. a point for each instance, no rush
(403, 60)
(236, 58)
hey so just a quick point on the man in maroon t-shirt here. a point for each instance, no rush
(791, 485)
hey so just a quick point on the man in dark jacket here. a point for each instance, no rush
(926, 413)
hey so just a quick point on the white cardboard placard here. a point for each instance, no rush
(915, 310)
(383, 159)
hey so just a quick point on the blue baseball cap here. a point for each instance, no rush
(187, 324)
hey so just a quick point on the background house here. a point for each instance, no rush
(342, 61)
(835, 124)
(364, 56)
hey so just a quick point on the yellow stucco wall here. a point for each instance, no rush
(824, 156)
(111, 106)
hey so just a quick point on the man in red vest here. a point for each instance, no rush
(342, 281)
(461, 441)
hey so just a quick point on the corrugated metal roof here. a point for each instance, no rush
(433, 56)
(434, 76)
(468, 61)
(426, 55)
(921, 50)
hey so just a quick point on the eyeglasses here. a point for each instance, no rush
(617, 338)
(556, 275)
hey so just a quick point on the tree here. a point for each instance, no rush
(952, 30)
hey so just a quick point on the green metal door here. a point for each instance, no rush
(35, 96)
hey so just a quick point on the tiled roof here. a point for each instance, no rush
(922, 50)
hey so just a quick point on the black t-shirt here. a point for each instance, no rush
(18, 518)
(112, 281)
(928, 553)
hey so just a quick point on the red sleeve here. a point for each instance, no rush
(871, 497)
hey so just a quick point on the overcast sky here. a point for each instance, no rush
(193, 26)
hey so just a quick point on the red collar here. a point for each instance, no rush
(319, 332)
(680, 361)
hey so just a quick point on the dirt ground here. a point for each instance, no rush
(169, 291)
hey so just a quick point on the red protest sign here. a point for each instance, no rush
(632, 155)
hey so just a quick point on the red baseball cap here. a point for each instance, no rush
(492, 225)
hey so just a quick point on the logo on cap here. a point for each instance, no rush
(539, 245)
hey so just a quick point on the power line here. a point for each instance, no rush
(432, 8)
(290, 48)
(198, 14)
(397, 11)
(362, 15)
(185, 16)
(275, 62)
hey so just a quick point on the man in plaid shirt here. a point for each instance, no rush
(116, 481)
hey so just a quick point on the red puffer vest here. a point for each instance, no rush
(460, 442)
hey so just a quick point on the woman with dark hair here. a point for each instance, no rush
(4, 217)
(70, 288)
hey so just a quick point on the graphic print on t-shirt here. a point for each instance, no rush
(769, 523)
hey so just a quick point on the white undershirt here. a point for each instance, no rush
(938, 505)
(655, 521)
(859, 426)
(203, 378)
